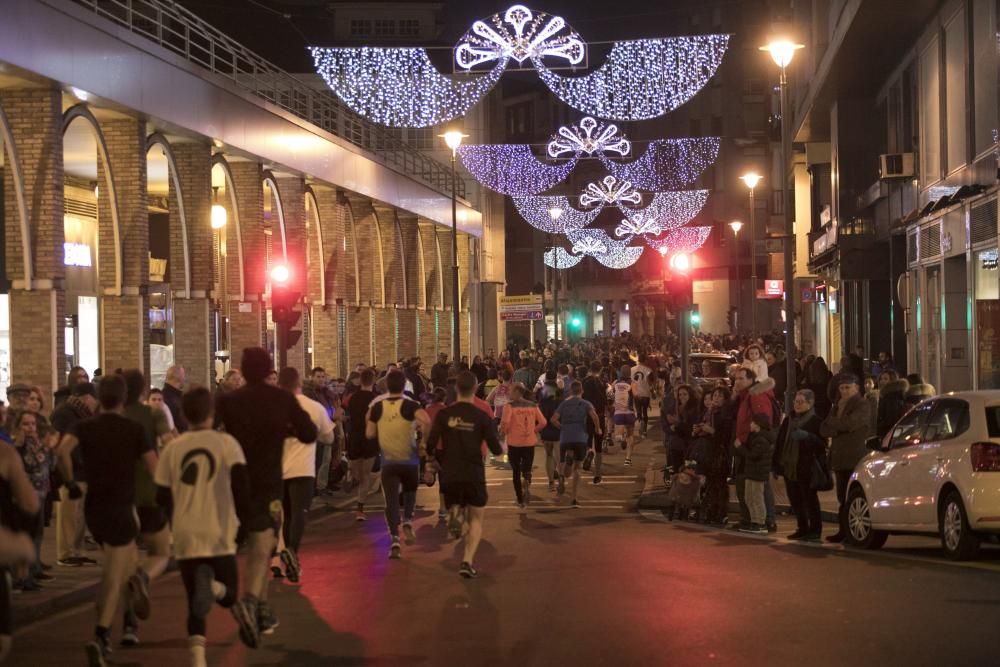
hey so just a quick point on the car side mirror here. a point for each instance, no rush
(874, 443)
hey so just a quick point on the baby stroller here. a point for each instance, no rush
(685, 493)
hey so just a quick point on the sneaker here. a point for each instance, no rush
(202, 599)
(98, 650)
(130, 636)
(628, 462)
(739, 526)
(772, 527)
(266, 620)
(292, 568)
(408, 535)
(360, 516)
(561, 488)
(276, 572)
(455, 526)
(245, 613)
(466, 571)
(138, 592)
(597, 479)
(753, 529)
(812, 537)
(395, 550)
(72, 561)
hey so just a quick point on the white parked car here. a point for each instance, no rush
(936, 472)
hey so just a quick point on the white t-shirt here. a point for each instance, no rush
(299, 458)
(623, 398)
(197, 467)
(640, 375)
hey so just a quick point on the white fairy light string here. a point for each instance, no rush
(685, 239)
(512, 169)
(589, 136)
(560, 259)
(609, 191)
(670, 210)
(519, 34)
(641, 79)
(400, 87)
(536, 211)
(667, 164)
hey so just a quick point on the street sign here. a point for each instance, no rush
(773, 289)
(521, 308)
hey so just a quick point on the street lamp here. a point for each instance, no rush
(555, 213)
(751, 179)
(736, 226)
(782, 51)
(453, 139)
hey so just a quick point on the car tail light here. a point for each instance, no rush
(985, 457)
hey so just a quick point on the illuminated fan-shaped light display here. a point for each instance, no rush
(685, 239)
(612, 253)
(537, 212)
(400, 87)
(519, 34)
(638, 224)
(641, 79)
(667, 164)
(610, 191)
(590, 136)
(560, 259)
(512, 169)
(670, 209)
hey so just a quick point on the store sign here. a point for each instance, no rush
(774, 287)
(76, 254)
(988, 260)
(521, 308)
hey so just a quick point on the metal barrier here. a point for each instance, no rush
(177, 29)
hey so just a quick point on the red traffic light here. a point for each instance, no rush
(680, 262)
(280, 274)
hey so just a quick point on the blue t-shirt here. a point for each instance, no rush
(573, 414)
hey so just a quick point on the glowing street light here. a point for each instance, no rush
(782, 51)
(219, 216)
(453, 139)
(751, 178)
(736, 226)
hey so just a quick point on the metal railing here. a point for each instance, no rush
(176, 29)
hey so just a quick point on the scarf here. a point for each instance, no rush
(790, 449)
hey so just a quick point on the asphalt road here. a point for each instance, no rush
(599, 585)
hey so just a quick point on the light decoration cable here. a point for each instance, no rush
(667, 164)
(589, 136)
(400, 87)
(536, 212)
(685, 239)
(612, 253)
(558, 258)
(641, 79)
(669, 210)
(512, 169)
(519, 34)
(609, 191)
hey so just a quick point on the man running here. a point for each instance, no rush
(623, 393)
(641, 376)
(202, 483)
(361, 450)
(520, 424)
(595, 391)
(392, 420)
(260, 416)
(571, 419)
(455, 441)
(111, 446)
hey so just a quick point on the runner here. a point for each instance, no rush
(623, 392)
(455, 441)
(571, 420)
(595, 391)
(392, 419)
(260, 417)
(520, 424)
(361, 450)
(641, 375)
(201, 483)
(550, 434)
(111, 446)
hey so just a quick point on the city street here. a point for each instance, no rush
(599, 585)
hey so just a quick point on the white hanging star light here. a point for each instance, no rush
(670, 210)
(537, 212)
(667, 164)
(560, 259)
(590, 136)
(641, 79)
(685, 239)
(400, 87)
(519, 34)
(512, 169)
(610, 191)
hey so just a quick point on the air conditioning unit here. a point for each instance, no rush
(896, 165)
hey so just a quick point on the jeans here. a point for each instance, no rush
(521, 461)
(744, 508)
(323, 458)
(295, 504)
(396, 475)
(754, 492)
(223, 571)
(805, 500)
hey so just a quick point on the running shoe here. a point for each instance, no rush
(588, 460)
(138, 592)
(202, 600)
(628, 462)
(130, 636)
(292, 567)
(455, 526)
(408, 535)
(597, 479)
(466, 571)
(395, 551)
(245, 613)
(266, 620)
(98, 650)
(360, 516)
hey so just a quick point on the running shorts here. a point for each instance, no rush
(624, 419)
(113, 525)
(151, 519)
(265, 514)
(579, 450)
(472, 494)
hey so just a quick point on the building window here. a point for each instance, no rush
(984, 65)
(385, 27)
(987, 318)
(520, 122)
(409, 27)
(361, 27)
(930, 113)
(956, 107)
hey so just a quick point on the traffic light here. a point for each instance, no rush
(695, 317)
(679, 288)
(576, 322)
(284, 298)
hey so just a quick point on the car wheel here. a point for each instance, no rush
(957, 539)
(859, 522)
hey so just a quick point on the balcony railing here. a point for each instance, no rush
(178, 30)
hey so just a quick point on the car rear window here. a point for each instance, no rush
(993, 420)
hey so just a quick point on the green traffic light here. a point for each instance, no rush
(695, 318)
(576, 322)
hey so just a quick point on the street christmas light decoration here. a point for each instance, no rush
(683, 240)
(641, 79)
(589, 136)
(512, 169)
(519, 34)
(638, 224)
(670, 210)
(537, 212)
(560, 259)
(400, 87)
(612, 253)
(667, 164)
(609, 191)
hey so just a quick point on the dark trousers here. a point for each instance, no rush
(716, 497)
(298, 496)
(805, 500)
(675, 459)
(224, 571)
(521, 460)
(398, 477)
(642, 411)
(842, 478)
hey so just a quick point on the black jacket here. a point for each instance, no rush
(891, 405)
(172, 399)
(756, 455)
(811, 447)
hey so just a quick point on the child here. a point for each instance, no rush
(685, 491)
(757, 453)
(201, 480)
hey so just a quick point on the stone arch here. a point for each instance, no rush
(421, 273)
(398, 228)
(313, 219)
(14, 164)
(393, 259)
(271, 181)
(80, 111)
(219, 160)
(351, 240)
(158, 140)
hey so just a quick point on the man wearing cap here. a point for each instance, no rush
(849, 425)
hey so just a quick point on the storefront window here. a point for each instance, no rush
(987, 291)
